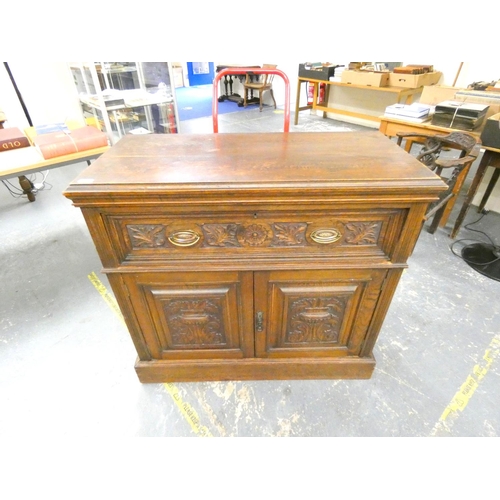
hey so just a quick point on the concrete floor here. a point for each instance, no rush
(66, 359)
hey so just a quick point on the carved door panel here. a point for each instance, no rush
(314, 313)
(194, 315)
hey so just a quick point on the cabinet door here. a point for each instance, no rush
(194, 315)
(314, 313)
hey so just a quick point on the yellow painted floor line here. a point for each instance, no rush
(186, 409)
(108, 298)
(461, 399)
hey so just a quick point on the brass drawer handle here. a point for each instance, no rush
(186, 238)
(326, 236)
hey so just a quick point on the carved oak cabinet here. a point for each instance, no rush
(254, 256)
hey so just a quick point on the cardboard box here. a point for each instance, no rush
(367, 78)
(414, 81)
(319, 73)
(490, 136)
(432, 78)
(434, 94)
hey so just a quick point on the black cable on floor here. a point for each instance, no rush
(17, 192)
(13, 190)
(491, 242)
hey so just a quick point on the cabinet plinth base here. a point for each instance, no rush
(158, 371)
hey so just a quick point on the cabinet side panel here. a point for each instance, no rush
(129, 316)
(410, 233)
(389, 288)
(103, 241)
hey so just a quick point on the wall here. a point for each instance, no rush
(470, 72)
(47, 89)
(9, 102)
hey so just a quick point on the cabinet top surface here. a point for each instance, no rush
(190, 162)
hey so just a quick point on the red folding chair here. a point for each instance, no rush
(256, 71)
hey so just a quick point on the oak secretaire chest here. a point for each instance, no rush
(254, 256)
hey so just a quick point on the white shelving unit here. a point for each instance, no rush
(128, 97)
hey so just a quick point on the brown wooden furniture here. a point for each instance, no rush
(391, 126)
(456, 167)
(228, 93)
(25, 161)
(29, 160)
(277, 264)
(491, 158)
(263, 84)
(401, 94)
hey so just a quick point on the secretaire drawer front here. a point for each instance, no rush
(150, 237)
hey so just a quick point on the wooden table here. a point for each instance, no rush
(228, 85)
(279, 264)
(391, 126)
(491, 158)
(29, 160)
(401, 94)
(24, 161)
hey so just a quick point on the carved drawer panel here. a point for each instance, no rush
(346, 233)
(315, 313)
(193, 315)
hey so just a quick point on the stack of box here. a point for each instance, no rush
(386, 78)
(410, 76)
(459, 115)
(339, 70)
(410, 112)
